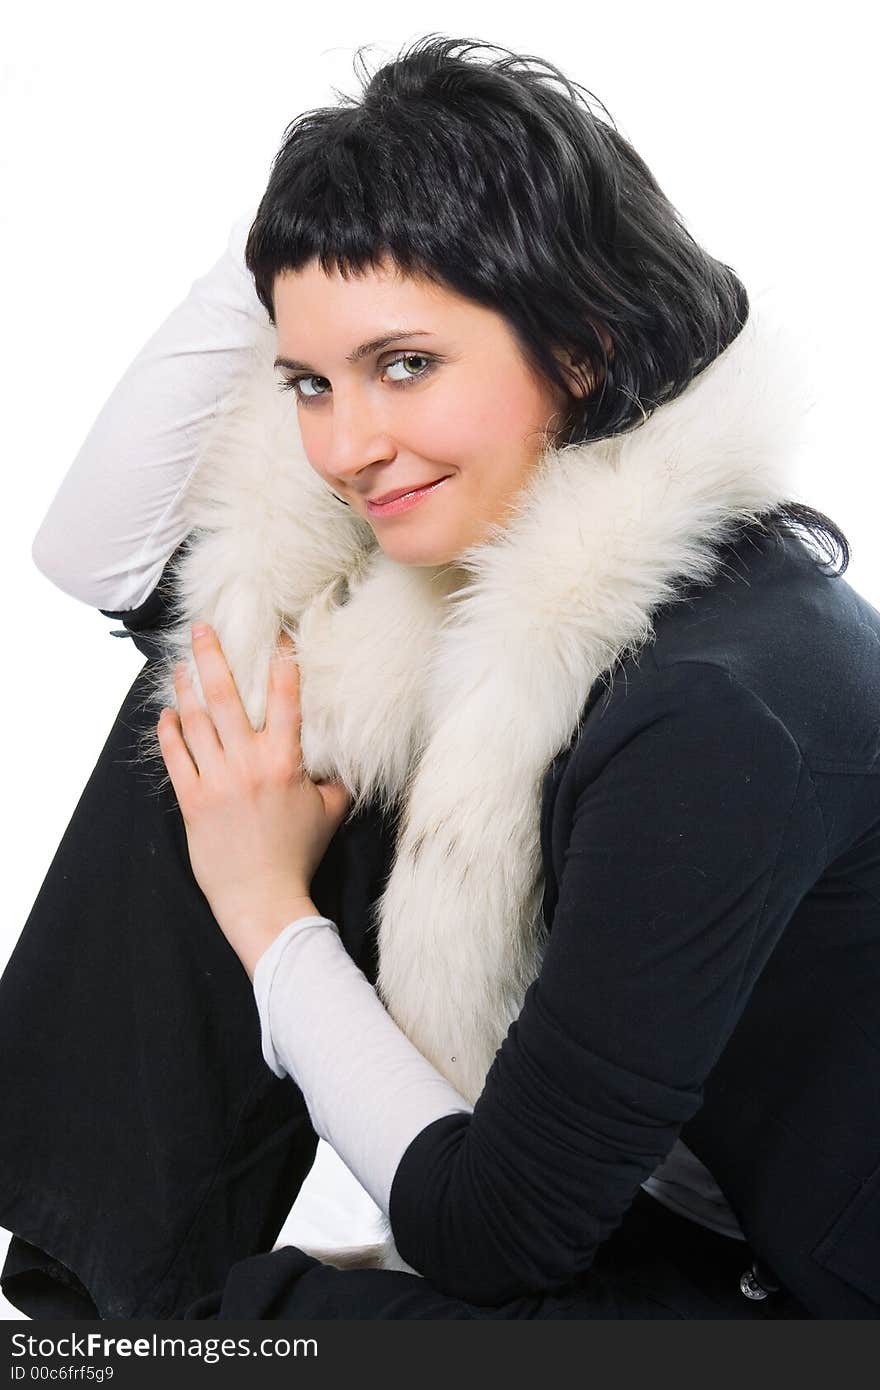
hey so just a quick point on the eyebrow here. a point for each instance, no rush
(365, 349)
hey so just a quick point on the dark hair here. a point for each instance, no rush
(574, 235)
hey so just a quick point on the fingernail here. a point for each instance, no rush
(200, 629)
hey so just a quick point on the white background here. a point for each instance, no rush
(133, 136)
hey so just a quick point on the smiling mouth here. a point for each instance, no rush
(406, 500)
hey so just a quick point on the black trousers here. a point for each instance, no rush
(149, 1158)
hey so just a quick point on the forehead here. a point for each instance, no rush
(370, 300)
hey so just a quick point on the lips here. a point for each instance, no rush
(404, 499)
(402, 492)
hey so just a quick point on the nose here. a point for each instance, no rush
(358, 437)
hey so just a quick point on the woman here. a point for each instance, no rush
(567, 766)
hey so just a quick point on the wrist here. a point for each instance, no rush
(256, 936)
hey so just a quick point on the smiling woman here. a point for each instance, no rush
(535, 250)
(605, 726)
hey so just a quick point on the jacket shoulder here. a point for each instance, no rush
(803, 641)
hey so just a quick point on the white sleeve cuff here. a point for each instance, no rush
(368, 1089)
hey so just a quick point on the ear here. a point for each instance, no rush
(584, 377)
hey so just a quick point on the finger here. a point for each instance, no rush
(195, 723)
(175, 753)
(336, 798)
(283, 710)
(231, 723)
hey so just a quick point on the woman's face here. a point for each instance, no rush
(449, 397)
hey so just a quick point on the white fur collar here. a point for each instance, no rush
(450, 704)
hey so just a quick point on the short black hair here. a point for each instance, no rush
(497, 178)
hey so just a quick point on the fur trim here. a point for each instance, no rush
(445, 700)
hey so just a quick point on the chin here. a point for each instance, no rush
(408, 551)
(416, 558)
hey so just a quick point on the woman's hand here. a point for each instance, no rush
(257, 826)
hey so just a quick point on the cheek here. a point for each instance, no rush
(504, 415)
(472, 425)
(312, 437)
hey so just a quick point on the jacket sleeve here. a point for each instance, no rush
(683, 822)
(117, 517)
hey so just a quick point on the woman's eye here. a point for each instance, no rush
(311, 394)
(298, 384)
(402, 361)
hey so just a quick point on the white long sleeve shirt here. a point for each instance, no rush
(112, 526)
(116, 519)
(368, 1090)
